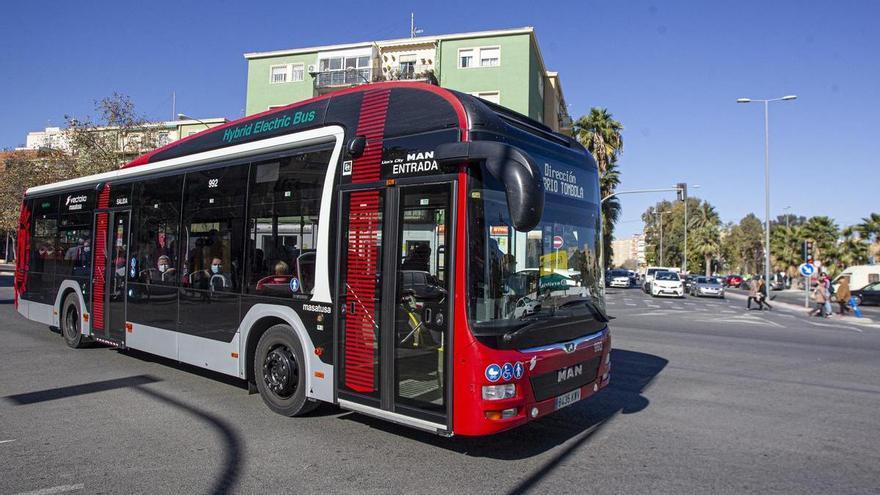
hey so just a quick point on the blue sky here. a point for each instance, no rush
(670, 71)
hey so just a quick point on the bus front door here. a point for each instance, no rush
(111, 324)
(395, 285)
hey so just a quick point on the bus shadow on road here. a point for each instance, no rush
(631, 374)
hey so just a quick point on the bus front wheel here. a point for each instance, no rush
(280, 372)
(71, 323)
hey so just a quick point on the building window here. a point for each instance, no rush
(466, 58)
(344, 70)
(407, 66)
(490, 57)
(487, 56)
(278, 74)
(297, 73)
(541, 87)
(491, 96)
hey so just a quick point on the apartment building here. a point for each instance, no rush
(503, 66)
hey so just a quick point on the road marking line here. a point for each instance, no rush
(631, 304)
(814, 323)
(7, 441)
(55, 489)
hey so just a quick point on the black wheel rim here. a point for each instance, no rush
(281, 371)
(71, 323)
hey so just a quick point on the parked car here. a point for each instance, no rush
(707, 286)
(868, 295)
(733, 280)
(667, 283)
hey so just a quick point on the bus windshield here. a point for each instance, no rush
(518, 278)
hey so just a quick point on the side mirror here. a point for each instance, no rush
(521, 176)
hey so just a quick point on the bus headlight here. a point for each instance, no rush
(498, 392)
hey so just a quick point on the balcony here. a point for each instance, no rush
(330, 80)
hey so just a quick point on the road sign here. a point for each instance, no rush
(557, 241)
(807, 269)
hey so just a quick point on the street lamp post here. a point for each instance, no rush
(766, 103)
(787, 242)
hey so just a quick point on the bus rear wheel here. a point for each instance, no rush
(71, 322)
(280, 372)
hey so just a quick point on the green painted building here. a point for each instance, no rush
(502, 66)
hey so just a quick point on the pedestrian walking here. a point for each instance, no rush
(843, 295)
(818, 297)
(762, 295)
(829, 293)
(753, 293)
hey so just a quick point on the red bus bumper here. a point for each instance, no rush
(550, 378)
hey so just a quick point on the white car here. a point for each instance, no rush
(526, 306)
(667, 284)
(619, 278)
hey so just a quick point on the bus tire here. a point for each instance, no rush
(71, 322)
(280, 372)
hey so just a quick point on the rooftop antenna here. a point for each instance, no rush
(413, 31)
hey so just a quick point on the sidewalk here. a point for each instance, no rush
(799, 308)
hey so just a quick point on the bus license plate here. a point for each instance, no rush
(568, 399)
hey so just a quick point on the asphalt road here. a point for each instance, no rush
(705, 398)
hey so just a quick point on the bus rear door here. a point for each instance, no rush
(112, 263)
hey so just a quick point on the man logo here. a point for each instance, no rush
(570, 347)
(569, 373)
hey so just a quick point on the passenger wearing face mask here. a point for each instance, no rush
(220, 279)
(166, 271)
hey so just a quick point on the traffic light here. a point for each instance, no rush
(808, 251)
(681, 191)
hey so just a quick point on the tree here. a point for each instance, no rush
(705, 239)
(23, 169)
(704, 243)
(870, 227)
(824, 234)
(744, 245)
(117, 135)
(602, 136)
(852, 249)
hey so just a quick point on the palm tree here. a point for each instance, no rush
(601, 136)
(824, 233)
(705, 223)
(610, 209)
(870, 227)
(853, 249)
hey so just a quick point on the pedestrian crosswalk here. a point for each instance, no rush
(729, 311)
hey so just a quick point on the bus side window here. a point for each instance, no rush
(155, 231)
(285, 199)
(213, 213)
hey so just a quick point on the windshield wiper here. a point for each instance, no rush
(534, 321)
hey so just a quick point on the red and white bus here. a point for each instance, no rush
(402, 250)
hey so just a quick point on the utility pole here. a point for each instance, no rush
(683, 196)
(173, 105)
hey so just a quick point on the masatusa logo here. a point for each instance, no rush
(75, 202)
